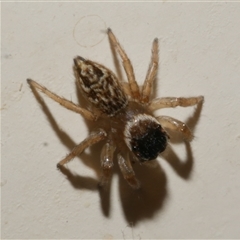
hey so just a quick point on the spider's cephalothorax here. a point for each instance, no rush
(123, 114)
(100, 85)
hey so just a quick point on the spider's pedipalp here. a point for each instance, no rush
(127, 171)
(92, 139)
(151, 74)
(176, 125)
(135, 93)
(62, 101)
(107, 163)
(172, 102)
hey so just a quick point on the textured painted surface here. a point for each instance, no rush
(199, 54)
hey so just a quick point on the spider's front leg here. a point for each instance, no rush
(172, 102)
(89, 141)
(127, 171)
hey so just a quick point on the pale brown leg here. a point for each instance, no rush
(175, 125)
(89, 141)
(127, 66)
(126, 88)
(172, 102)
(127, 171)
(62, 101)
(107, 163)
(151, 74)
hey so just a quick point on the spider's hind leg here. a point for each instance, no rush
(107, 163)
(89, 141)
(172, 102)
(127, 171)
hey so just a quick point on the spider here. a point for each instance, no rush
(123, 113)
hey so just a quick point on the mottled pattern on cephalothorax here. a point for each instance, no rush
(101, 86)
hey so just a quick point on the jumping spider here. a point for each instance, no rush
(123, 114)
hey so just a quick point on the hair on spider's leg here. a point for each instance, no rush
(151, 73)
(135, 93)
(92, 139)
(175, 125)
(106, 163)
(62, 101)
(172, 102)
(127, 171)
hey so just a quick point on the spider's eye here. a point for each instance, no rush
(147, 146)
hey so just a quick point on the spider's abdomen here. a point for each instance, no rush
(100, 85)
(145, 137)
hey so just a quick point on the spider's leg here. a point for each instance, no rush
(127, 66)
(126, 88)
(107, 163)
(127, 171)
(62, 101)
(151, 74)
(89, 141)
(175, 125)
(172, 102)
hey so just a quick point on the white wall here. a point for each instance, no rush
(199, 55)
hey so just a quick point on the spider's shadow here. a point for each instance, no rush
(143, 203)
(128, 195)
(183, 168)
(76, 180)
